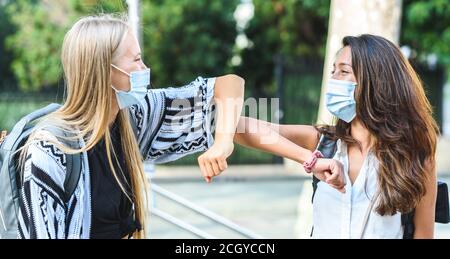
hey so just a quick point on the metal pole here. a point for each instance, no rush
(134, 15)
(209, 214)
(181, 224)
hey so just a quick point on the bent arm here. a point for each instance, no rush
(229, 98)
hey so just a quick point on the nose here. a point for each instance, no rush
(143, 66)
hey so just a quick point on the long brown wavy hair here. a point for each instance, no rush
(391, 103)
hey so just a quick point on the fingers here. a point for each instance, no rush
(332, 172)
(340, 188)
(339, 185)
(211, 167)
(335, 179)
(203, 168)
(215, 167)
(223, 165)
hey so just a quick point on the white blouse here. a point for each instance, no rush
(337, 215)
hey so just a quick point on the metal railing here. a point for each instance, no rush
(199, 210)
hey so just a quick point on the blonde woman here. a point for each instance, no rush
(106, 96)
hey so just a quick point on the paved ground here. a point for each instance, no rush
(265, 199)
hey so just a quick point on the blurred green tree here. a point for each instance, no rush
(36, 43)
(182, 38)
(185, 38)
(6, 57)
(426, 29)
(41, 26)
(291, 28)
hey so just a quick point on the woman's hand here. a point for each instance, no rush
(331, 172)
(214, 161)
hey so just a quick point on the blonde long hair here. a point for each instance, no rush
(89, 49)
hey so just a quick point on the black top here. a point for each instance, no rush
(112, 211)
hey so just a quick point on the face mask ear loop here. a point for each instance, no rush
(116, 67)
(114, 88)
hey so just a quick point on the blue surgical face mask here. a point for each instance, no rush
(340, 99)
(139, 80)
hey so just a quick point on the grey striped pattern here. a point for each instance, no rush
(171, 123)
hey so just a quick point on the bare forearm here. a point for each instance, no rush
(262, 136)
(424, 225)
(303, 135)
(424, 233)
(229, 97)
(425, 211)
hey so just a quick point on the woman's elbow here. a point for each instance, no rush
(233, 80)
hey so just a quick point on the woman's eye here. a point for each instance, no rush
(332, 72)
(344, 72)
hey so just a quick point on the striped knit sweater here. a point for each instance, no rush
(171, 123)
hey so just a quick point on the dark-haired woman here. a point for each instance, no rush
(384, 165)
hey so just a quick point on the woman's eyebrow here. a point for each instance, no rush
(344, 64)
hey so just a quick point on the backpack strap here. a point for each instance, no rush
(327, 146)
(73, 164)
(73, 175)
(18, 129)
(442, 204)
(408, 225)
